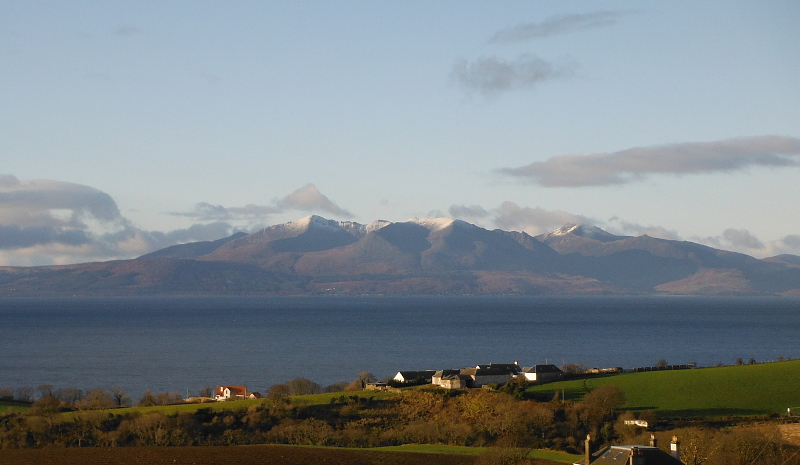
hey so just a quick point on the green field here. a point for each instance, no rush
(11, 406)
(314, 399)
(464, 450)
(762, 389)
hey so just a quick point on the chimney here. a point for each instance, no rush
(588, 449)
(636, 457)
(653, 440)
(675, 448)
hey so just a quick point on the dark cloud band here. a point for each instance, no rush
(636, 163)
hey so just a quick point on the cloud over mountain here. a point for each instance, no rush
(50, 222)
(742, 238)
(511, 216)
(633, 229)
(307, 198)
(32, 202)
(635, 164)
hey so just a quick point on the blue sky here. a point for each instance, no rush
(130, 126)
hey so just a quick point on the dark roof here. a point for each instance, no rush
(412, 375)
(483, 370)
(542, 369)
(457, 376)
(441, 373)
(514, 368)
(619, 455)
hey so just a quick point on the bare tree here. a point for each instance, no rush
(148, 399)
(45, 390)
(25, 394)
(96, 399)
(7, 393)
(120, 397)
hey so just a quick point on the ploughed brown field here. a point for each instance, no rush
(233, 455)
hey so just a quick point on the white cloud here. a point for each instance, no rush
(510, 216)
(556, 25)
(468, 212)
(621, 227)
(490, 75)
(45, 222)
(636, 163)
(741, 238)
(742, 241)
(534, 220)
(307, 198)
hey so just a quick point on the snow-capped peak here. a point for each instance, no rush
(376, 225)
(318, 222)
(563, 230)
(313, 221)
(592, 232)
(433, 224)
(361, 230)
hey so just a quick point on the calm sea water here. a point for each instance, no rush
(180, 343)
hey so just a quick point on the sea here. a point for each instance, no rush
(184, 344)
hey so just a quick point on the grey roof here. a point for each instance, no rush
(441, 373)
(457, 376)
(411, 375)
(619, 455)
(483, 370)
(513, 368)
(542, 369)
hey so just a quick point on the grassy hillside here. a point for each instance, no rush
(315, 399)
(735, 390)
(553, 456)
(233, 455)
(11, 406)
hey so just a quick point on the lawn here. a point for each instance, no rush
(761, 389)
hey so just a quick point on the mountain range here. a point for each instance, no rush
(315, 256)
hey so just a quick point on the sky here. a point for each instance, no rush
(129, 126)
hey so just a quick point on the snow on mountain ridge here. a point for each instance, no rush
(591, 232)
(563, 230)
(437, 224)
(319, 222)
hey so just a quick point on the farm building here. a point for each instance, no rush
(513, 368)
(457, 381)
(542, 373)
(483, 376)
(635, 455)
(412, 376)
(234, 393)
(437, 377)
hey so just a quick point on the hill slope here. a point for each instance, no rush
(760, 389)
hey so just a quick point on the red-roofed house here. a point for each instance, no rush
(234, 392)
